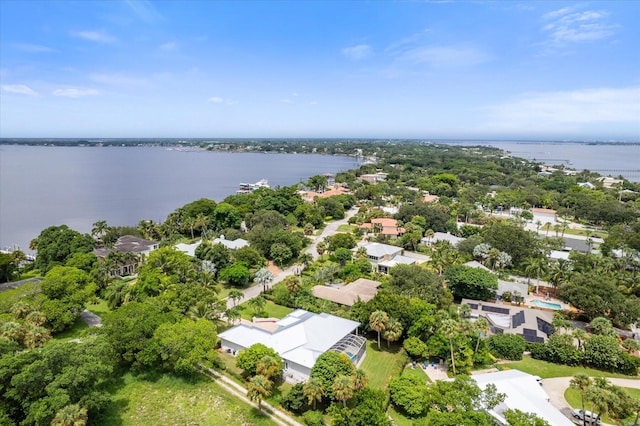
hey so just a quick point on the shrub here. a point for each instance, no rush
(313, 418)
(294, 400)
(506, 346)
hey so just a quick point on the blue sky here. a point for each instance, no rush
(354, 69)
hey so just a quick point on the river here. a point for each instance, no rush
(42, 186)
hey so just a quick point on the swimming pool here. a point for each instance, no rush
(548, 305)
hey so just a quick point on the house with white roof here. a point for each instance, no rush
(188, 249)
(299, 338)
(384, 256)
(442, 236)
(523, 392)
(231, 244)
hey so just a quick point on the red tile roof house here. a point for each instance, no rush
(384, 226)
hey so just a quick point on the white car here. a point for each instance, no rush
(588, 415)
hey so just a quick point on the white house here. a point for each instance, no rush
(523, 392)
(442, 236)
(231, 244)
(299, 338)
(384, 256)
(188, 249)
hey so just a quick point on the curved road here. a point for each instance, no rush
(556, 387)
(329, 230)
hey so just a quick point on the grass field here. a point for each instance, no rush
(547, 370)
(76, 331)
(271, 310)
(573, 398)
(169, 400)
(383, 365)
(346, 228)
(9, 297)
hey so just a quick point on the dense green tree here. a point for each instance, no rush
(512, 239)
(516, 417)
(330, 365)
(506, 346)
(186, 345)
(410, 394)
(236, 275)
(248, 359)
(471, 283)
(56, 244)
(414, 281)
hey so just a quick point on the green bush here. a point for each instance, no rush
(506, 346)
(313, 418)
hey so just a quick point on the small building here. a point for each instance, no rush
(523, 392)
(587, 185)
(532, 324)
(442, 236)
(299, 338)
(609, 182)
(384, 226)
(336, 189)
(384, 256)
(231, 244)
(430, 198)
(374, 177)
(361, 289)
(188, 249)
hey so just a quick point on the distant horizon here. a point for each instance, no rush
(484, 70)
(97, 139)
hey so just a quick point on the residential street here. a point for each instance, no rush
(329, 229)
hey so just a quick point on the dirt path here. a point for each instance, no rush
(238, 391)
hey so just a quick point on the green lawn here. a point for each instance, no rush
(78, 330)
(9, 297)
(573, 398)
(271, 310)
(99, 308)
(547, 370)
(398, 418)
(169, 400)
(346, 228)
(381, 366)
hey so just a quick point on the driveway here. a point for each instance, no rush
(329, 230)
(556, 387)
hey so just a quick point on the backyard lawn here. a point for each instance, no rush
(547, 370)
(383, 365)
(169, 400)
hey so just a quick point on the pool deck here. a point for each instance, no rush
(541, 298)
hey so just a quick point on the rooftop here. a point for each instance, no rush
(361, 289)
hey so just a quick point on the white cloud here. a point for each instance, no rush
(75, 93)
(172, 45)
(32, 48)
(20, 89)
(117, 79)
(445, 56)
(565, 111)
(356, 53)
(286, 101)
(145, 10)
(221, 100)
(95, 36)
(569, 26)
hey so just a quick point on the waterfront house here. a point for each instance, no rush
(299, 338)
(131, 251)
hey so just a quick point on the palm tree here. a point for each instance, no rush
(36, 318)
(99, 230)
(305, 259)
(449, 329)
(535, 266)
(580, 335)
(259, 388)
(393, 331)
(313, 390)
(202, 222)
(201, 310)
(236, 295)
(268, 367)
(428, 234)
(232, 314)
(378, 321)
(35, 336)
(548, 226)
(581, 383)
(292, 283)
(257, 303)
(360, 380)
(263, 277)
(343, 388)
(560, 272)
(482, 327)
(12, 330)
(71, 415)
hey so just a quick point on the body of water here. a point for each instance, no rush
(606, 159)
(42, 186)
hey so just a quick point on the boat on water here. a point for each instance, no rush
(248, 188)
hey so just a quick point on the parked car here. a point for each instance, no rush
(588, 415)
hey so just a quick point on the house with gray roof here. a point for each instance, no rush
(532, 324)
(131, 245)
(299, 338)
(442, 236)
(361, 289)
